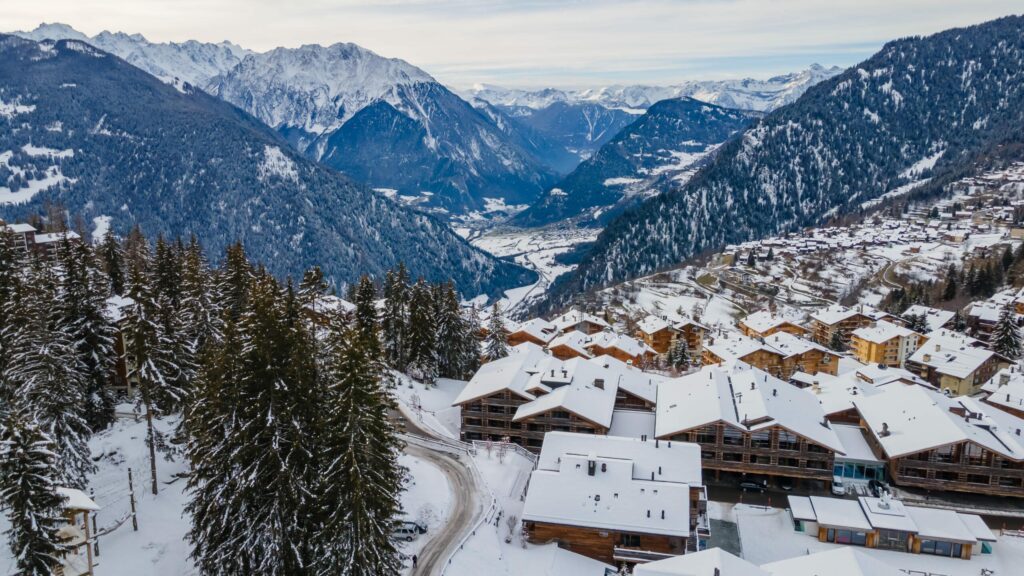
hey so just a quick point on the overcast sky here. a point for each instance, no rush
(531, 43)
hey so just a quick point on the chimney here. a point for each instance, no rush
(753, 386)
(591, 468)
(599, 383)
(928, 357)
(775, 391)
(885, 430)
(938, 347)
(662, 514)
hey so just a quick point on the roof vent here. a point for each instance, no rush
(885, 430)
(599, 383)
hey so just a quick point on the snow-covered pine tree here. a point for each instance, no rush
(28, 483)
(49, 377)
(422, 345)
(394, 320)
(199, 311)
(313, 286)
(156, 369)
(165, 274)
(275, 448)
(81, 306)
(453, 334)
(470, 348)
(678, 356)
(1006, 335)
(365, 321)
(112, 257)
(496, 342)
(917, 322)
(362, 480)
(233, 280)
(12, 269)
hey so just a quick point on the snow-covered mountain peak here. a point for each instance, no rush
(745, 93)
(53, 31)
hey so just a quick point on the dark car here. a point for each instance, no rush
(752, 485)
(877, 487)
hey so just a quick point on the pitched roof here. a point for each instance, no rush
(933, 317)
(653, 324)
(677, 462)
(882, 332)
(909, 419)
(574, 317)
(951, 353)
(512, 372)
(743, 397)
(834, 314)
(1006, 389)
(539, 328)
(712, 562)
(627, 344)
(844, 561)
(837, 393)
(574, 340)
(764, 320)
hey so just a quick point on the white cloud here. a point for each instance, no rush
(534, 42)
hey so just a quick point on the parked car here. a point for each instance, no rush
(406, 531)
(838, 488)
(753, 486)
(877, 487)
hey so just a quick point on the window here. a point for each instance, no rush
(629, 540)
(761, 439)
(893, 540)
(760, 459)
(788, 441)
(849, 537)
(496, 423)
(472, 421)
(790, 462)
(496, 409)
(560, 414)
(732, 437)
(732, 457)
(706, 435)
(707, 455)
(979, 479)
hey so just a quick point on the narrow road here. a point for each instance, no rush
(466, 497)
(461, 518)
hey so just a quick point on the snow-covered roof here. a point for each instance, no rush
(538, 328)
(610, 499)
(575, 317)
(77, 500)
(653, 324)
(938, 524)
(834, 314)
(839, 512)
(844, 561)
(20, 228)
(630, 378)
(837, 393)
(735, 346)
(1006, 389)
(933, 317)
(882, 332)
(56, 237)
(677, 462)
(632, 423)
(712, 562)
(743, 397)
(909, 419)
(329, 303)
(855, 444)
(574, 340)
(951, 353)
(512, 372)
(764, 320)
(887, 514)
(627, 344)
(583, 396)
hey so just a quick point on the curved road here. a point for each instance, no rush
(461, 517)
(466, 505)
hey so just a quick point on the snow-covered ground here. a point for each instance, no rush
(497, 548)
(159, 548)
(431, 406)
(535, 249)
(767, 535)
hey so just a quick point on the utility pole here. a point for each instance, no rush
(131, 496)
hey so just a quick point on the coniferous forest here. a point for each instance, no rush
(283, 395)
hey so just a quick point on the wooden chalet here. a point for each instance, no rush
(937, 442)
(763, 324)
(748, 422)
(617, 500)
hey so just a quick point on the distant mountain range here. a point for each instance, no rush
(392, 126)
(85, 129)
(382, 121)
(913, 116)
(657, 152)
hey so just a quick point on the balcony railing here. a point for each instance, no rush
(639, 556)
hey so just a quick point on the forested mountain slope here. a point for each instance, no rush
(651, 155)
(84, 129)
(917, 109)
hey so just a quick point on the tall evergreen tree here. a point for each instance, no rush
(313, 286)
(496, 342)
(112, 257)
(454, 338)
(366, 321)
(49, 377)
(28, 483)
(362, 480)
(422, 343)
(952, 284)
(1006, 335)
(394, 321)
